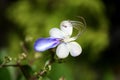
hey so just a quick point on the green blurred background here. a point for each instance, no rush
(28, 20)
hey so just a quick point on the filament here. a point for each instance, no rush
(80, 26)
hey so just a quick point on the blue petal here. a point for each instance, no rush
(43, 44)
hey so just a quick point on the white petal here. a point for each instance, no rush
(62, 51)
(66, 27)
(56, 33)
(75, 49)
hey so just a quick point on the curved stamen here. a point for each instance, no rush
(80, 26)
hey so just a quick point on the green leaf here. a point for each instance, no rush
(5, 74)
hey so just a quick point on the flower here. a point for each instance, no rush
(61, 38)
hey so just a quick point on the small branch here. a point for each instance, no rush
(44, 71)
(24, 47)
(10, 65)
(41, 73)
(25, 73)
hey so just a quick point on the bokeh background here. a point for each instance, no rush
(28, 20)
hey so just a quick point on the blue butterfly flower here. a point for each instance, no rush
(62, 39)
